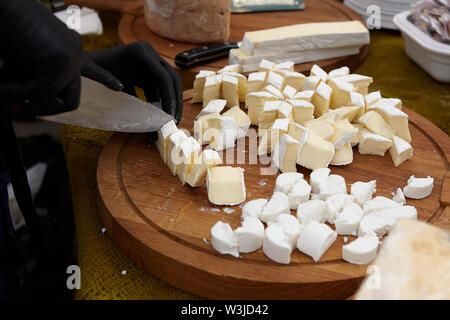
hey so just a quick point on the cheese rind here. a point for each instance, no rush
(230, 90)
(225, 185)
(400, 150)
(255, 101)
(256, 81)
(163, 136)
(302, 111)
(321, 99)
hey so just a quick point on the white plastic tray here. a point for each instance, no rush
(431, 55)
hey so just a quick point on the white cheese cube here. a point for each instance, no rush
(230, 90)
(403, 212)
(250, 235)
(265, 65)
(254, 208)
(297, 131)
(274, 91)
(222, 132)
(213, 106)
(278, 204)
(199, 84)
(375, 123)
(396, 118)
(317, 177)
(286, 181)
(363, 191)
(299, 194)
(208, 159)
(276, 245)
(311, 83)
(188, 150)
(290, 226)
(350, 113)
(256, 81)
(322, 127)
(347, 221)
(268, 114)
(321, 99)
(343, 132)
(361, 251)
(289, 92)
(292, 79)
(371, 143)
(418, 188)
(241, 118)
(287, 65)
(342, 71)
(225, 185)
(201, 127)
(343, 156)
(379, 203)
(336, 203)
(285, 154)
(302, 111)
(229, 68)
(400, 150)
(375, 223)
(316, 152)
(360, 82)
(254, 102)
(312, 210)
(341, 94)
(174, 140)
(242, 84)
(211, 89)
(304, 95)
(163, 137)
(285, 110)
(372, 98)
(318, 71)
(275, 80)
(399, 197)
(334, 184)
(315, 239)
(223, 239)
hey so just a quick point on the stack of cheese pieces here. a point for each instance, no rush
(319, 204)
(299, 43)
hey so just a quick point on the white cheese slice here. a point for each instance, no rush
(400, 150)
(242, 120)
(347, 221)
(321, 99)
(316, 153)
(290, 226)
(336, 203)
(188, 150)
(250, 235)
(286, 181)
(317, 177)
(302, 110)
(278, 204)
(254, 208)
(399, 197)
(300, 193)
(304, 95)
(256, 81)
(334, 184)
(223, 239)
(285, 153)
(418, 188)
(371, 143)
(212, 88)
(342, 71)
(199, 83)
(276, 245)
(343, 156)
(375, 223)
(254, 102)
(363, 191)
(225, 185)
(375, 123)
(361, 251)
(213, 106)
(315, 239)
(312, 210)
(163, 137)
(208, 159)
(311, 83)
(403, 212)
(379, 203)
(174, 140)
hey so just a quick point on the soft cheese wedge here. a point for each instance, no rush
(225, 185)
(241, 118)
(315, 239)
(209, 158)
(400, 150)
(361, 251)
(199, 84)
(343, 132)
(163, 137)
(316, 152)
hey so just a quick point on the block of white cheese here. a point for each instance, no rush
(311, 83)
(199, 83)
(312, 210)
(304, 95)
(230, 90)
(363, 191)
(332, 185)
(360, 82)
(418, 188)
(213, 106)
(316, 152)
(212, 88)
(379, 203)
(255, 103)
(163, 137)
(321, 99)
(342, 71)
(315, 239)
(224, 240)
(285, 153)
(347, 221)
(286, 181)
(292, 78)
(322, 127)
(241, 118)
(395, 117)
(305, 36)
(188, 150)
(400, 150)
(174, 140)
(375, 123)
(254, 208)
(375, 223)
(371, 143)
(209, 158)
(256, 81)
(222, 132)
(225, 185)
(361, 251)
(336, 203)
(299, 194)
(343, 156)
(318, 71)
(399, 197)
(302, 111)
(403, 212)
(276, 244)
(343, 132)
(278, 204)
(250, 235)
(290, 226)
(265, 66)
(201, 128)
(317, 177)
(274, 91)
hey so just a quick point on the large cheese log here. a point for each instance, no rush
(194, 21)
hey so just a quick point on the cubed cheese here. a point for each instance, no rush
(241, 118)
(274, 91)
(396, 118)
(188, 150)
(311, 83)
(230, 90)
(316, 152)
(222, 132)
(209, 158)
(255, 103)
(343, 132)
(199, 84)
(223, 239)
(343, 156)
(371, 143)
(302, 111)
(201, 128)
(285, 154)
(286, 181)
(211, 89)
(174, 140)
(321, 99)
(315, 239)
(256, 81)
(322, 127)
(225, 185)
(163, 137)
(265, 65)
(213, 106)
(400, 150)
(318, 71)
(275, 80)
(360, 82)
(375, 123)
(304, 95)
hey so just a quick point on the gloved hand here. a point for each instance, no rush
(137, 64)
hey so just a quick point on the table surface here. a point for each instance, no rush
(102, 264)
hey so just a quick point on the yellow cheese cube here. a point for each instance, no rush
(302, 110)
(241, 118)
(230, 90)
(396, 118)
(371, 143)
(375, 123)
(225, 185)
(400, 150)
(343, 156)
(316, 152)
(199, 84)
(212, 88)
(201, 127)
(343, 133)
(321, 99)
(207, 159)
(322, 127)
(256, 81)
(255, 103)
(285, 154)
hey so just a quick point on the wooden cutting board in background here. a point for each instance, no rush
(164, 227)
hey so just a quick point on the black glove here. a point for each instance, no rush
(137, 64)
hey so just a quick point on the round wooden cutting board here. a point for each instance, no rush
(133, 28)
(164, 227)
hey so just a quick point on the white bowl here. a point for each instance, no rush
(433, 56)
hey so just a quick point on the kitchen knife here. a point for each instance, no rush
(207, 53)
(106, 109)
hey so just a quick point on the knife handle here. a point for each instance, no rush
(207, 53)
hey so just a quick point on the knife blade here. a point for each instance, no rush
(106, 109)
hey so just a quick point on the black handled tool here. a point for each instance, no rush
(207, 53)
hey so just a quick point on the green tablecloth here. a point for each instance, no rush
(102, 263)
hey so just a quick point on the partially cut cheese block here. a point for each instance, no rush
(343, 156)
(225, 185)
(302, 111)
(213, 106)
(255, 103)
(174, 140)
(208, 158)
(199, 84)
(371, 143)
(230, 90)
(163, 137)
(188, 150)
(400, 150)
(211, 89)
(396, 118)
(285, 154)
(256, 81)
(241, 118)
(321, 99)
(316, 152)
(375, 123)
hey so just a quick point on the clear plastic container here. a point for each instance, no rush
(431, 55)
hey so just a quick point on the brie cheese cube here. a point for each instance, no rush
(275, 80)
(284, 111)
(209, 158)
(375, 123)
(250, 235)
(334, 184)
(201, 127)
(396, 118)
(297, 132)
(363, 191)
(403, 212)
(316, 152)
(174, 140)
(318, 71)
(343, 132)
(289, 92)
(375, 223)
(321, 99)
(299, 194)
(229, 68)
(290, 226)
(357, 99)
(230, 90)
(225, 185)
(213, 106)
(361, 251)
(268, 114)
(312, 210)
(222, 132)
(322, 127)
(355, 140)
(400, 150)
(317, 177)
(315, 239)
(274, 91)
(255, 103)
(372, 98)
(256, 81)
(350, 113)
(286, 181)
(223, 239)
(287, 65)
(336, 203)
(378, 204)
(276, 245)
(292, 79)
(242, 84)
(311, 83)
(241, 118)
(278, 204)
(360, 82)
(341, 93)
(304, 95)
(342, 71)
(211, 89)
(199, 84)
(265, 65)
(399, 197)
(188, 150)
(163, 136)
(371, 143)
(343, 156)
(418, 188)
(285, 154)
(388, 103)
(271, 136)
(302, 111)
(347, 221)
(253, 208)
